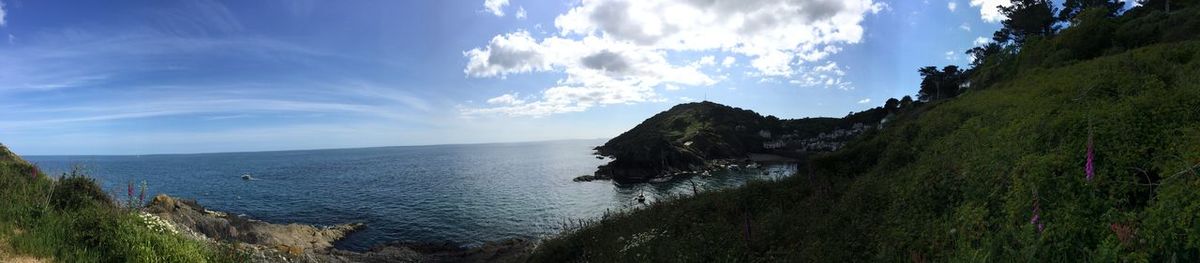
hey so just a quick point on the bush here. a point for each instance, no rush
(75, 192)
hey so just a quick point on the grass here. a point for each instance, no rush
(70, 219)
(958, 180)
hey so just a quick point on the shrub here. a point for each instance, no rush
(75, 192)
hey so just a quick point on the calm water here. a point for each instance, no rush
(458, 193)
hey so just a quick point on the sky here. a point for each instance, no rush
(189, 76)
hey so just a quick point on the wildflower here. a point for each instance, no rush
(130, 190)
(142, 195)
(1124, 232)
(1035, 219)
(1089, 168)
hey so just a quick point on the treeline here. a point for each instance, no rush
(1040, 34)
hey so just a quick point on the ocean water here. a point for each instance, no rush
(465, 194)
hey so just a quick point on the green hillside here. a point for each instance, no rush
(682, 138)
(995, 174)
(70, 219)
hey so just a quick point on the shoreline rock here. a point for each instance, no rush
(267, 242)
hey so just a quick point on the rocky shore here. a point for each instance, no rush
(709, 166)
(267, 242)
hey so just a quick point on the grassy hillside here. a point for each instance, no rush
(70, 219)
(685, 136)
(997, 174)
(682, 138)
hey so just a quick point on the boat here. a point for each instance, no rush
(246, 177)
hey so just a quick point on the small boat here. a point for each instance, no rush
(246, 177)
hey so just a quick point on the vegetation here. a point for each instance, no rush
(685, 136)
(1075, 145)
(682, 138)
(70, 219)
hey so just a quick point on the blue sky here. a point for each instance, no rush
(182, 76)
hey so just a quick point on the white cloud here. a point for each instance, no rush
(521, 13)
(598, 72)
(515, 52)
(707, 61)
(615, 51)
(952, 6)
(952, 55)
(687, 99)
(980, 41)
(3, 13)
(989, 9)
(828, 76)
(506, 99)
(496, 7)
(774, 33)
(965, 27)
(864, 101)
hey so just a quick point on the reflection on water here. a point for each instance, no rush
(456, 193)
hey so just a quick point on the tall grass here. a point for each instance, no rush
(70, 219)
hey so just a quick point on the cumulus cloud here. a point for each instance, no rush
(952, 6)
(515, 52)
(989, 10)
(496, 7)
(615, 51)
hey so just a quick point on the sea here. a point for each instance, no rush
(464, 194)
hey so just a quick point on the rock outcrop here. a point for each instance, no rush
(197, 221)
(267, 242)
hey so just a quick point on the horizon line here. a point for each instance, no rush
(318, 149)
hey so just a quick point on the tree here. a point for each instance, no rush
(1072, 8)
(940, 84)
(891, 104)
(1166, 5)
(981, 53)
(1026, 19)
(906, 101)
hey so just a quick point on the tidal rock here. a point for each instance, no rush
(201, 223)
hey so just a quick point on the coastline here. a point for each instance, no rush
(269, 242)
(713, 165)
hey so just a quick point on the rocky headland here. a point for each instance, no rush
(695, 138)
